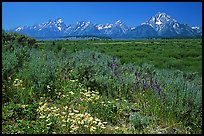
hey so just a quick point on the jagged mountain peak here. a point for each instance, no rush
(161, 24)
(59, 20)
(118, 22)
(162, 14)
(161, 18)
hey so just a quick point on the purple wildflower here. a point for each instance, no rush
(151, 84)
(157, 88)
(65, 76)
(135, 85)
(145, 84)
(121, 81)
(163, 96)
(114, 66)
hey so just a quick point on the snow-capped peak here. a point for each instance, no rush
(161, 25)
(132, 28)
(59, 20)
(195, 27)
(119, 22)
(108, 26)
(100, 26)
(161, 21)
(19, 28)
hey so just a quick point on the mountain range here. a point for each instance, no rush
(159, 25)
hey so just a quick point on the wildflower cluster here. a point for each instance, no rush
(18, 83)
(70, 119)
(84, 123)
(89, 96)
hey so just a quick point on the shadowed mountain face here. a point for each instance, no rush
(160, 25)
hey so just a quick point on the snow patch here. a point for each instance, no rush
(60, 29)
(108, 26)
(100, 27)
(159, 22)
(59, 20)
(18, 29)
(195, 27)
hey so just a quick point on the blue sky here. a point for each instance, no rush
(131, 13)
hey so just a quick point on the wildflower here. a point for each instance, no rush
(65, 107)
(100, 124)
(114, 66)
(94, 122)
(164, 96)
(57, 114)
(76, 111)
(157, 88)
(86, 126)
(97, 119)
(151, 84)
(71, 93)
(23, 106)
(65, 76)
(73, 80)
(71, 114)
(41, 117)
(145, 84)
(135, 85)
(45, 105)
(92, 129)
(75, 128)
(82, 122)
(48, 87)
(63, 113)
(103, 127)
(116, 128)
(91, 118)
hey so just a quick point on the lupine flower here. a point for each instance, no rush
(157, 88)
(121, 81)
(136, 81)
(163, 96)
(145, 84)
(65, 76)
(114, 66)
(135, 85)
(151, 84)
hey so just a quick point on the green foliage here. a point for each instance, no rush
(100, 86)
(138, 121)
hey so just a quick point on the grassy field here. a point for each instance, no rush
(101, 87)
(181, 54)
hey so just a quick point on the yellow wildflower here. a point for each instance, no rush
(75, 111)
(92, 129)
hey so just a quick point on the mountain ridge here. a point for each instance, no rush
(159, 25)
